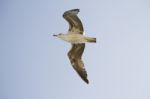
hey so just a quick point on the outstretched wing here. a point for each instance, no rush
(75, 24)
(75, 55)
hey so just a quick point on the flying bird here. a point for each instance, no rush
(76, 37)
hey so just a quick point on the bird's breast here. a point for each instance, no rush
(75, 38)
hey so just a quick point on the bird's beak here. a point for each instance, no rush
(54, 35)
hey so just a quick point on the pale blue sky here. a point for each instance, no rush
(34, 64)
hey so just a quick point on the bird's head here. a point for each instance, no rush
(57, 35)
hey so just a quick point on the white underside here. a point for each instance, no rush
(73, 38)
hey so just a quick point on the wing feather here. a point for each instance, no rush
(75, 55)
(75, 24)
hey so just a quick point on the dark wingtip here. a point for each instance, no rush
(77, 10)
(87, 81)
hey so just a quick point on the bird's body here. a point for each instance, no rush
(77, 39)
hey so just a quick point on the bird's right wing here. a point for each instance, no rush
(75, 55)
(75, 24)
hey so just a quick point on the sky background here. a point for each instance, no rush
(34, 64)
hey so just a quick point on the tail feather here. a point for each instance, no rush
(91, 40)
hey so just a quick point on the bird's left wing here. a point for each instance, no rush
(75, 55)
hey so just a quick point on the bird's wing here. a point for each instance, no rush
(75, 24)
(75, 55)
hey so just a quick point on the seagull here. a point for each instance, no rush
(76, 37)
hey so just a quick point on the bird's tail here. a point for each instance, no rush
(90, 40)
